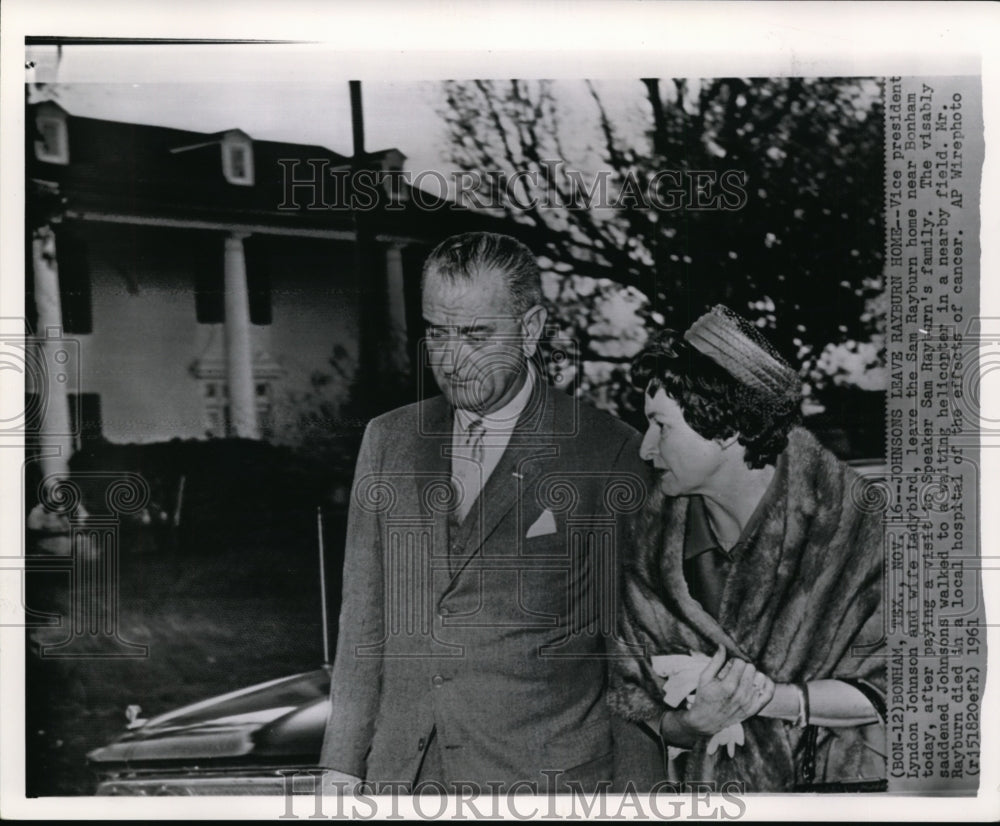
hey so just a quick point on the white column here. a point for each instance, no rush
(55, 424)
(397, 341)
(239, 356)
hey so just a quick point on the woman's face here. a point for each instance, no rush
(686, 463)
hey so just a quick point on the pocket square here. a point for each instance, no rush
(544, 525)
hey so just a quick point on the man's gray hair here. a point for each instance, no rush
(465, 256)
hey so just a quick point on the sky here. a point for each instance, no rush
(285, 92)
(278, 92)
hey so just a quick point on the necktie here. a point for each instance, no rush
(467, 477)
(474, 440)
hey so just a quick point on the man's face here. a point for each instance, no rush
(476, 343)
(687, 463)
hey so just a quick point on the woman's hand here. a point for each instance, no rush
(729, 691)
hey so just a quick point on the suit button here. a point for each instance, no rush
(438, 681)
(421, 744)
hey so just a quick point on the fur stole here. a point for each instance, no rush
(802, 601)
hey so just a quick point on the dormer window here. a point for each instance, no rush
(52, 145)
(392, 176)
(237, 158)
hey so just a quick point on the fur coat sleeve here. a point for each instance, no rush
(802, 601)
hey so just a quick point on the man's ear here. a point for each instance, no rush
(532, 327)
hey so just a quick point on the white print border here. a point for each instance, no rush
(808, 39)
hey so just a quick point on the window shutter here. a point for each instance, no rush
(258, 264)
(209, 281)
(74, 283)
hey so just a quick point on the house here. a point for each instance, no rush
(202, 280)
(191, 286)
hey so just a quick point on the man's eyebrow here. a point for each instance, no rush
(474, 328)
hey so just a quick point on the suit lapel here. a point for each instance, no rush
(431, 454)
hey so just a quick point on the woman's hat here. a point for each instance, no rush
(737, 347)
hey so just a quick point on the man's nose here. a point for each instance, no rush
(443, 354)
(456, 352)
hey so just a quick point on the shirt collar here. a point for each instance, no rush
(698, 536)
(504, 419)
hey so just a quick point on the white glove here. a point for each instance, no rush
(682, 672)
(730, 737)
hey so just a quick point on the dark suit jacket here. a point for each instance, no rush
(490, 633)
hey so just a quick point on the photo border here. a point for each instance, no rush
(551, 39)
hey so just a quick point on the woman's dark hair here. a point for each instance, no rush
(714, 403)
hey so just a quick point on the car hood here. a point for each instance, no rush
(279, 719)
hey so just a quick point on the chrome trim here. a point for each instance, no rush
(275, 782)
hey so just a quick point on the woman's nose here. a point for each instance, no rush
(648, 446)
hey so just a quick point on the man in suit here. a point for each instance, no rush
(482, 551)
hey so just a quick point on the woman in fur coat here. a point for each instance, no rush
(756, 589)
